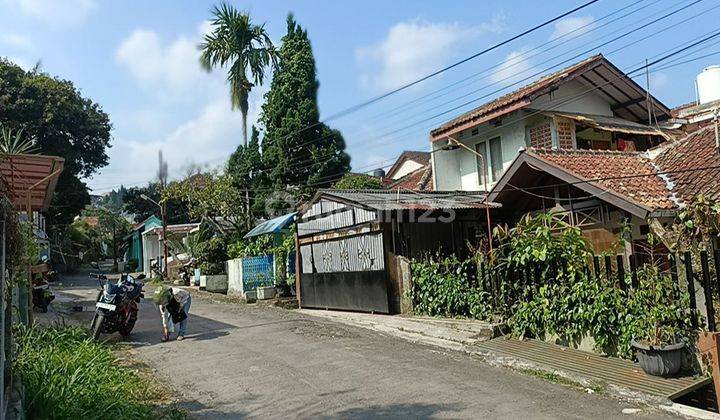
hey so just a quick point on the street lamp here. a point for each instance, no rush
(164, 231)
(454, 145)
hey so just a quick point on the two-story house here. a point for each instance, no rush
(589, 105)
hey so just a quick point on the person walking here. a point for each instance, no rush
(174, 304)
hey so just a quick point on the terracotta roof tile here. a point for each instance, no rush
(614, 171)
(418, 180)
(681, 158)
(518, 95)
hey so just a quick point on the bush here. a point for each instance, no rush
(67, 375)
(443, 287)
(212, 255)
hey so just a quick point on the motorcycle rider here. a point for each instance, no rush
(174, 304)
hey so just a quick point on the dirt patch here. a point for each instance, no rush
(321, 330)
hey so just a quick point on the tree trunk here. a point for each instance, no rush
(244, 127)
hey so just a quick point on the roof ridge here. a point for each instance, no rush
(583, 151)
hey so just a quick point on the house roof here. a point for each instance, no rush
(36, 173)
(630, 175)
(666, 177)
(626, 97)
(422, 158)
(684, 161)
(274, 225)
(407, 200)
(417, 180)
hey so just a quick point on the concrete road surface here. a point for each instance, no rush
(242, 361)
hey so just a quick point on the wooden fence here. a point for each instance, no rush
(703, 268)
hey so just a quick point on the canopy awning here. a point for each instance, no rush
(272, 226)
(612, 124)
(30, 179)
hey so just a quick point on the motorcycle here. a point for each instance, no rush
(41, 293)
(116, 307)
(186, 272)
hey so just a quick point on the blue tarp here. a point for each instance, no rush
(272, 226)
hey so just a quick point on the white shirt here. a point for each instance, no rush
(179, 295)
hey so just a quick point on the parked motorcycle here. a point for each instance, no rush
(41, 293)
(186, 272)
(116, 308)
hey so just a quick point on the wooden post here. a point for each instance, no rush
(596, 266)
(608, 268)
(298, 268)
(707, 290)
(690, 286)
(633, 271)
(621, 273)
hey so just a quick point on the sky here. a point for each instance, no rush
(139, 61)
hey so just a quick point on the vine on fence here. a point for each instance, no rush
(563, 298)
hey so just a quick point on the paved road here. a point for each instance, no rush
(243, 361)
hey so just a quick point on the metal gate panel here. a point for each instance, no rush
(357, 291)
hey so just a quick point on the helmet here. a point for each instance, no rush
(162, 295)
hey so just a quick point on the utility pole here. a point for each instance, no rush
(162, 176)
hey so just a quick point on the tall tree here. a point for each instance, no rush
(244, 168)
(300, 152)
(134, 204)
(62, 123)
(245, 48)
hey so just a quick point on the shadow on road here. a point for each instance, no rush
(397, 411)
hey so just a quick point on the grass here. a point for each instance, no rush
(66, 375)
(557, 379)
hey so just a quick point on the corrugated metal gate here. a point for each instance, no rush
(342, 258)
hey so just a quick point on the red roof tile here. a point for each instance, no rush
(615, 171)
(418, 180)
(685, 160)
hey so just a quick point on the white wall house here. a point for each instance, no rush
(590, 105)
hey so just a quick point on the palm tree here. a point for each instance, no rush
(12, 142)
(246, 49)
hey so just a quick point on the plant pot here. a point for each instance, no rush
(659, 360)
(267, 292)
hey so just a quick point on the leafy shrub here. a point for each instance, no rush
(212, 255)
(67, 375)
(443, 287)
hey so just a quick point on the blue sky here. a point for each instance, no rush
(138, 59)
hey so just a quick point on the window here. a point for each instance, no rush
(496, 159)
(482, 150)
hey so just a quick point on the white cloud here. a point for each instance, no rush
(172, 69)
(577, 25)
(16, 41)
(514, 68)
(415, 48)
(55, 12)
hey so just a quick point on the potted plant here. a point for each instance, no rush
(660, 353)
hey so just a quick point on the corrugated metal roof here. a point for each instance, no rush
(271, 226)
(410, 200)
(606, 123)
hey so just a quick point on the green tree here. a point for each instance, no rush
(141, 209)
(208, 196)
(62, 123)
(244, 168)
(352, 181)
(241, 46)
(298, 149)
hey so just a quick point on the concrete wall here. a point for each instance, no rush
(407, 167)
(458, 169)
(586, 103)
(235, 279)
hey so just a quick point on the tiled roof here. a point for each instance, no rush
(524, 93)
(619, 172)
(423, 158)
(681, 159)
(588, 70)
(418, 180)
